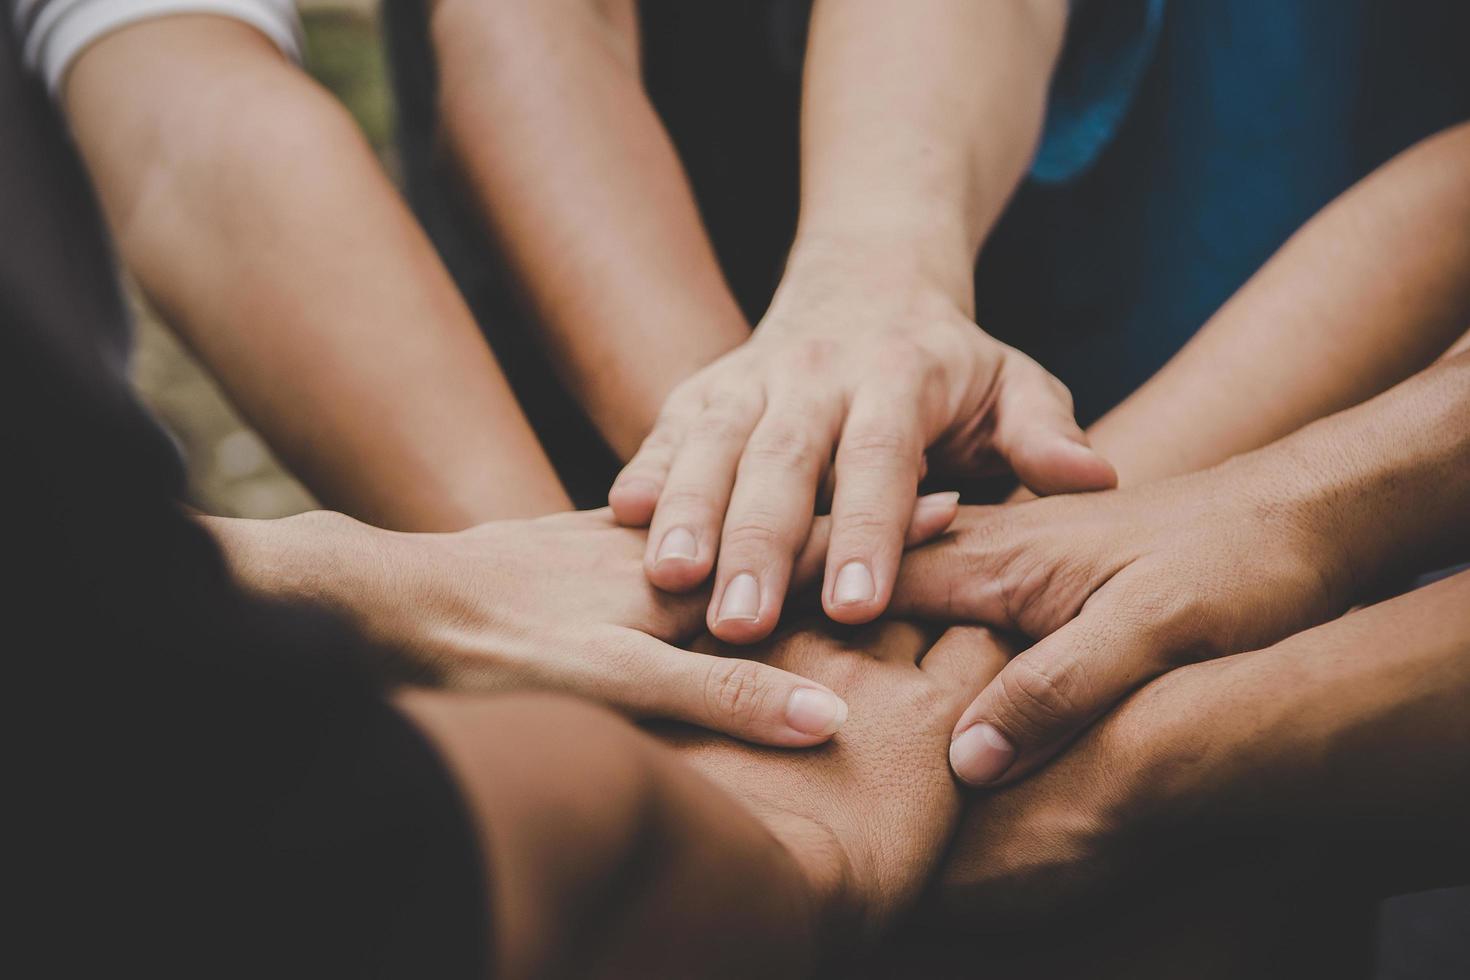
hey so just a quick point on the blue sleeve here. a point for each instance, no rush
(1110, 45)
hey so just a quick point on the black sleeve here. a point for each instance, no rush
(200, 785)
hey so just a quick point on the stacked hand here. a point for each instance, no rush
(557, 603)
(856, 373)
(868, 815)
(1120, 587)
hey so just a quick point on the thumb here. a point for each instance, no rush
(1037, 433)
(1047, 695)
(741, 698)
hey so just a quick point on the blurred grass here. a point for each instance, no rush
(231, 471)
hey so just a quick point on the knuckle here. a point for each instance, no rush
(786, 449)
(753, 533)
(814, 354)
(1041, 698)
(685, 502)
(863, 522)
(735, 691)
(723, 423)
(879, 446)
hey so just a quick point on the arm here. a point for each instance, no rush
(1351, 738)
(558, 603)
(714, 858)
(1369, 291)
(605, 857)
(918, 121)
(1124, 585)
(254, 215)
(546, 114)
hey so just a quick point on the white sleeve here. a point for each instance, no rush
(53, 32)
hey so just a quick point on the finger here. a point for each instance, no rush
(1038, 436)
(1048, 694)
(769, 519)
(634, 494)
(932, 516)
(684, 535)
(961, 577)
(965, 659)
(878, 461)
(741, 698)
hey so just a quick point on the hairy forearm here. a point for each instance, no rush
(545, 111)
(606, 856)
(1371, 290)
(918, 122)
(254, 215)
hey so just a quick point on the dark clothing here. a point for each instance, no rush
(205, 785)
(1185, 142)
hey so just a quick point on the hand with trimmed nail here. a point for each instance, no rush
(862, 375)
(555, 603)
(868, 816)
(1119, 587)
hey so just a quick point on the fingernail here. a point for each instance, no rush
(854, 584)
(931, 502)
(742, 598)
(678, 543)
(814, 712)
(981, 754)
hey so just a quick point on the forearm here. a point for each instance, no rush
(255, 217)
(918, 122)
(1371, 290)
(1354, 731)
(545, 111)
(1381, 486)
(606, 856)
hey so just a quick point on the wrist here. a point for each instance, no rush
(323, 558)
(931, 259)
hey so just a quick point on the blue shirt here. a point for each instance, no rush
(1185, 142)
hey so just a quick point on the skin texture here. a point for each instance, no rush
(1273, 541)
(306, 288)
(545, 113)
(1353, 730)
(1125, 585)
(712, 858)
(917, 124)
(557, 603)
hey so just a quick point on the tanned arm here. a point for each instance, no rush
(256, 218)
(544, 108)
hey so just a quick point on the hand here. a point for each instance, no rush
(859, 369)
(1122, 586)
(556, 603)
(1111, 802)
(867, 815)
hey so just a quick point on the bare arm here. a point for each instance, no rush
(797, 858)
(918, 121)
(606, 857)
(1371, 290)
(1351, 738)
(255, 216)
(1124, 585)
(546, 113)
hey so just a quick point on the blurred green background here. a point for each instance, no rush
(231, 471)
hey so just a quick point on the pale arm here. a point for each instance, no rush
(546, 114)
(918, 121)
(255, 216)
